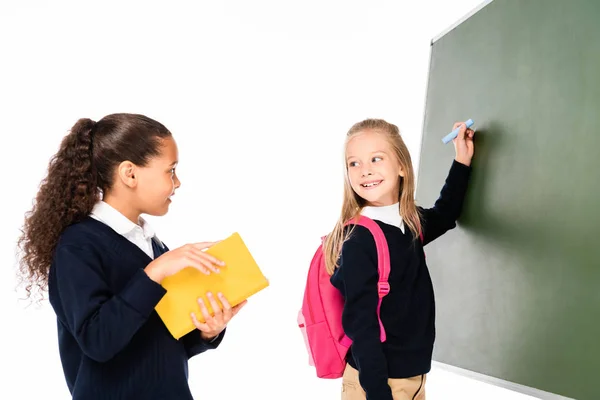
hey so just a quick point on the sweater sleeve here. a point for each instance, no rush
(359, 277)
(101, 322)
(194, 344)
(443, 215)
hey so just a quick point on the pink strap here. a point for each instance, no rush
(383, 263)
(346, 341)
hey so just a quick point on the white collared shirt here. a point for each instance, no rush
(387, 214)
(139, 234)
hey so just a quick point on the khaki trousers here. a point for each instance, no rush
(402, 389)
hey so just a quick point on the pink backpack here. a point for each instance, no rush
(320, 318)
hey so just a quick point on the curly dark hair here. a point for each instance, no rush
(78, 173)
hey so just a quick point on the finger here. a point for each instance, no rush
(207, 256)
(211, 261)
(462, 128)
(456, 125)
(212, 267)
(197, 263)
(207, 317)
(218, 313)
(237, 308)
(470, 133)
(201, 326)
(227, 310)
(199, 257)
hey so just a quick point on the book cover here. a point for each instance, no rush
(239, 279)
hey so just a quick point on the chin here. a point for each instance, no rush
(369, 199)
(379, 196)
(377, 200)
(164, 210)
(159, 212)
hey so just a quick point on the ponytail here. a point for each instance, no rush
(83, 167)
(66, 196)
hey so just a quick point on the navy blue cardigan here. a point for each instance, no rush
(112, 343)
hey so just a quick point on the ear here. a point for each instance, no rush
(127, 174)
(401, 172)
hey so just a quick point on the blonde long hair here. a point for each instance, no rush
(353, 204)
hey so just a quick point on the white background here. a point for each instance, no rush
(258, 95)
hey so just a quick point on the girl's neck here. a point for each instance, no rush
(123, 206)
(388, 214)
(383, 204)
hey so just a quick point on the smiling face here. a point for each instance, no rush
(373, 168)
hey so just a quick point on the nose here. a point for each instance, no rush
(176, 182)
(366, 170)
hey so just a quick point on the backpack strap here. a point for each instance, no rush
(383, 263)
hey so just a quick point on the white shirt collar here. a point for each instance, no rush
(387, 214)
(107, 214)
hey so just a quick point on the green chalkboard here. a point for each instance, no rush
(518, 281)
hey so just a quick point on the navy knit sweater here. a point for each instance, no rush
(408, 311)
(112, 343)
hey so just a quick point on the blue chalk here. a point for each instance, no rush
(450, 137)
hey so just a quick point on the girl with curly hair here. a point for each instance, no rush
(86, 243)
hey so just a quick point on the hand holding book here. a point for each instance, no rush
(214, 325)
(189, 255)
(187, 289)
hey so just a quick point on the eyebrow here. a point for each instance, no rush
(173, 163)
(372, 154)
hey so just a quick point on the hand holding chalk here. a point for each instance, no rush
(452, 135)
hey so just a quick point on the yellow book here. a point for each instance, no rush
(239, 279)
